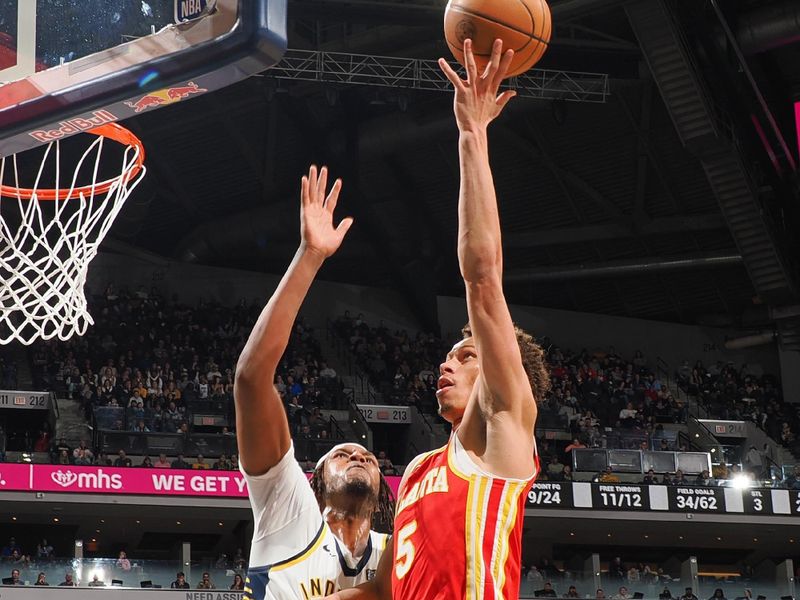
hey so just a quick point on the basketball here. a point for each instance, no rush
(523, 25)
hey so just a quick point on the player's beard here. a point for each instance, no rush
(353, 491)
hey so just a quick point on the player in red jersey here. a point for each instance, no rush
(458, 524)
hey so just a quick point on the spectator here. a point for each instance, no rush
(607, 476)
(680, 478)
(122, 461)
(534, 575)
(622, 594)
(201, 463)
(566, 474)
(14, 579)
(599, 594)
(180, 582)
(688, 595)
(205, 583)
(97, 582)
(546, 592)
(792, 480)
(238, 582)
(239, 560)
(554, 467)
(385, 464)
(81, 458)
(665, 594)
(162, 462)
(223, 464)
(123, 562)
(748, 595)
(576, 444)
(146, 463)
(717, 595)
(616, 570)
(179, 463)
(704, 478)
(572, 592)
(9, 548)
(650, 478)
(85, 449)
(754, 461)
(44, 551)
(634, 575)
(63, 458)
(41, 579)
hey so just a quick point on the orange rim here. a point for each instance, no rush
(112, 131)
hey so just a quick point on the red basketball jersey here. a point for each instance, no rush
(458, 530)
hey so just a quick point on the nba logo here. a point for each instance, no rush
(187, 10)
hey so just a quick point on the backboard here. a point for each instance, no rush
(69, 65)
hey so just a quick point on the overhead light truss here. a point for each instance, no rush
(415, 73)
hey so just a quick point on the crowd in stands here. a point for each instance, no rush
(740, 395)
(160, 361)
(34, 567)
(590, 391)
(622, 581)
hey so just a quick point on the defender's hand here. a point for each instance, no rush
(316, 214)
(476, 102)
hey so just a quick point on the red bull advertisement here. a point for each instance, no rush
(164, 97)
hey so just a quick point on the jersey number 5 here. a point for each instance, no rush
(405, 550)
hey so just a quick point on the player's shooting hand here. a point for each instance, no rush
(477, 102)
(318, 233)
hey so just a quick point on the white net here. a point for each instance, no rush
(49, 236)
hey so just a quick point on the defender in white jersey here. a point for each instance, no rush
(309, 540)
(296, 552)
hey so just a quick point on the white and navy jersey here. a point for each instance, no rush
(294, 554)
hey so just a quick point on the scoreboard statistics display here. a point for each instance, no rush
(625, 497)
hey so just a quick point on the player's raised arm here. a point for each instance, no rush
(506, 389)
(262, 429)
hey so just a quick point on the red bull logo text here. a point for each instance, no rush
(165, 96)
(75, 125)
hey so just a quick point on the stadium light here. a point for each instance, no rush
(741, 482)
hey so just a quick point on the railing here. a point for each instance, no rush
(336, 430)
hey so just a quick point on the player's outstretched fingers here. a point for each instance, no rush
(322, 183)
(469, 60)
(450, 74)
(304, 190)
(494, 61)
(333, 197)
(312, 183)
(502, 69)
(504, 98)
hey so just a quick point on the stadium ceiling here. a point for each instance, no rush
(659, 200)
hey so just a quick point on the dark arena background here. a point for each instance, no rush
(647, 181)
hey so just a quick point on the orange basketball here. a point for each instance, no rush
(523, 25)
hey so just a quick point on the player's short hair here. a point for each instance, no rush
(383, 515)
(533, 360)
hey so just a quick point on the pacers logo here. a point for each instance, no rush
(465, 29)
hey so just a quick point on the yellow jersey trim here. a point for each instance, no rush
(298, 558)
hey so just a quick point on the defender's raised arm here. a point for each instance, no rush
(262, 429)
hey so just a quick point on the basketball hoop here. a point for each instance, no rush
(48, 236)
